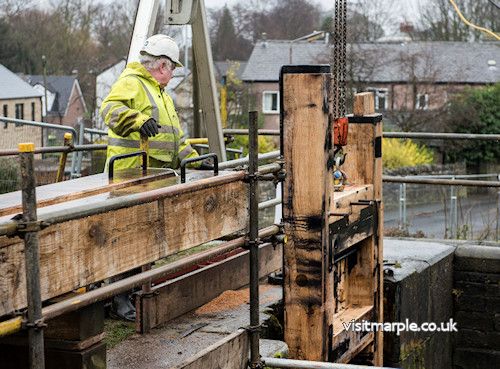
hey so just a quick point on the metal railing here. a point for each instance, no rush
(416, 135)
(42, 125)
(30, 226)
(442, 179)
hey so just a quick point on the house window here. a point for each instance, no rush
(381, 97)
(422, 101)
(19, 111)
(33, 111)
(270, 103)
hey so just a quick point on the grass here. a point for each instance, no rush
(117, 331)
(194, 250)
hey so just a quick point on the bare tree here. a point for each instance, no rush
(440, 22)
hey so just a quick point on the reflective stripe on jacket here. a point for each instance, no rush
(134, 98)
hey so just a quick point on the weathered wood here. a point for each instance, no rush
(342, 201)
(203, 285)
(364, 166)
(81, 187)
(78, 252)
(347, 342)
(307, 145)
(229, 353)
(364, 104)
(94, 357)
(78, 325)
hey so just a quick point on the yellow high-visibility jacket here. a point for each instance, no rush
(134, 98)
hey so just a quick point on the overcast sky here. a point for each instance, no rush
(408, 8)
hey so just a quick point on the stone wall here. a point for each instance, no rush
(476, 290)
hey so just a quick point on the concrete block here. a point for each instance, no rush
(474, 320)
(471, 338)
(418, 287)
(273, 348)
(476, 289)
(475, 359)
(477, 303)
(484, 259)
(476, 277)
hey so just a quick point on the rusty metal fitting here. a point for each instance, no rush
(37, 324)
(249, 244)
(23, 227)
(253, 328)
(148, 295)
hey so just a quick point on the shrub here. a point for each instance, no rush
(266, 144)
(404, 153)
(474, 111)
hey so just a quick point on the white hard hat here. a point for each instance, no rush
(162, 45)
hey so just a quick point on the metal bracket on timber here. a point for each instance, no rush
(333, 253)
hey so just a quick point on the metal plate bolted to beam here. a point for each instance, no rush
(180, 11)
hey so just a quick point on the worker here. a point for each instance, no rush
(138, 105)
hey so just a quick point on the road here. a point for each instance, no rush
(477, 218)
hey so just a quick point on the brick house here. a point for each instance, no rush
(406, 78)
(21, 101)
(65, 102)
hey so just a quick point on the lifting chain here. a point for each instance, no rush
(339, 59)
(339, 85)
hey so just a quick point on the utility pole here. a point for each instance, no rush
(44, 117)
(44, 65)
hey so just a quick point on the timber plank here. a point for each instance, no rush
(203, 285)
(78, 252)
(348, 342)
(307, 144)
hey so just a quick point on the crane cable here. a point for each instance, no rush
(485, 30)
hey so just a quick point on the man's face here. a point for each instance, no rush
(165, 73)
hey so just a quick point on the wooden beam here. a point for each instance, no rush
(80, 188)
(307, 146)
(197, 288)
(78, 252)
(364, 104)
(364, 166)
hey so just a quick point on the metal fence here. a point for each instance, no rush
(443, 211)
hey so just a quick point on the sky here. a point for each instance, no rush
(407, 6)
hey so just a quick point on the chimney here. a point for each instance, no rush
(406, 27)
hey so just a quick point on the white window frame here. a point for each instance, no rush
(380, 92)
(264, 108)
(426, 103)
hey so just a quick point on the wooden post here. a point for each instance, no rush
(306, 145)
(364, 166)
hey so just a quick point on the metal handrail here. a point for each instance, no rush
(446, 182)
(445, 136)
(40, 124)
(57, 149)
(417, 135)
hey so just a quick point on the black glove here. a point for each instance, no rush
(150, 128)
(207, 164)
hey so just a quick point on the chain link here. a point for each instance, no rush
(339, 59)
